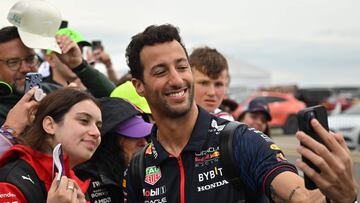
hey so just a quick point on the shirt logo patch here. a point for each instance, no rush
(216, 127)
(148, 150)
(280, 157)
(274, 147)
(152, 175)
(28, 178)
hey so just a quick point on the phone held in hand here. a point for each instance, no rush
(33, 79)
(58, 162)
(304, 117)
(96, 44)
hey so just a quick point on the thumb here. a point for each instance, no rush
(54, 185)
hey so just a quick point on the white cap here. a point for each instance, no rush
(37, 22)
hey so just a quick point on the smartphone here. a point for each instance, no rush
(304, 117)
(32, 79)
(96, 44)
(58, 162)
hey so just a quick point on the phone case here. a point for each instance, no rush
(58, 162)
(32, 80)
(304, 117)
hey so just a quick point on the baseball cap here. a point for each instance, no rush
(115, 111)
(258, 105)
(127, 91)
(5, 89)
(74, 35)
(135, 127)
(37, 22)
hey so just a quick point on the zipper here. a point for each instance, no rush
(182, 180)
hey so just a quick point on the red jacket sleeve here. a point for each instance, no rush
(10, 193)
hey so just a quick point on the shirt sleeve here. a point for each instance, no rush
(5, 144)
(10, 193)
(97, 83)
(259, 159)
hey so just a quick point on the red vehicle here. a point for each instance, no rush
(283, 109)
(345, 101)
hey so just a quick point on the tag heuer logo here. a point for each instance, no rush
(152, 175)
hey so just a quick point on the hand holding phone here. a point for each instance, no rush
(304, 121)
(58, 162)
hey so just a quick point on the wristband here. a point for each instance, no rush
(9, 133)
(80, 68)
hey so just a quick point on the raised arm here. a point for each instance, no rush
(336, 181)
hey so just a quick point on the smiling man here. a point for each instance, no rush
(181, 164)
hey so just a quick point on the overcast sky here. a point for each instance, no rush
(304, 42)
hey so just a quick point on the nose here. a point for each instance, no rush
(25, 67)
(211, 90)
(94, 131)
(175, 77)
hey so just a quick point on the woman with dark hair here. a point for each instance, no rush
(67, 116)
(123, 133)
(257, 115)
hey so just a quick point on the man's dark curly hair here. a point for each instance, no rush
(8, 33)
(154, 34)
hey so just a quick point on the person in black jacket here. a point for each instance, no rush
(123, 133)
(182, 163)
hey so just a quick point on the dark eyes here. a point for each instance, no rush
(183, 67)
(84, 121)
(219, 84)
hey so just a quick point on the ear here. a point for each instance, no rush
(139, 86)
(49, 125)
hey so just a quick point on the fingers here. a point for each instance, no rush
(318, 148)
(311, 173)
(67, 190)
(27, 97)
(65, 43)
(20, 115)
(79, 194)
(340, 139)
(326, 136)
(316, 160)
(54, 186)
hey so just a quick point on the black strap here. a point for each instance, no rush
(231, 170)
(137, 172)
(23, 176)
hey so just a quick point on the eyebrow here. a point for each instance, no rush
(177, 61)
(181, 60)
(87, 115)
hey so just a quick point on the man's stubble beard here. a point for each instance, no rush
(169, 111)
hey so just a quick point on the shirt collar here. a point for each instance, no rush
(196, 141)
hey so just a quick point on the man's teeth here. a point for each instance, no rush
(177, 94)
